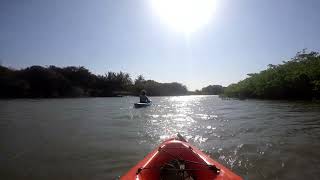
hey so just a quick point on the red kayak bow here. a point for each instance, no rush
(176, 159)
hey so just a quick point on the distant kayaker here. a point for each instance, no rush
(143, 97)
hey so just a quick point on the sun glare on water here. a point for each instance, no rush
(184, 16)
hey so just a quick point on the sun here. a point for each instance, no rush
(185, 16)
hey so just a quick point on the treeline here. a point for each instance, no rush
(298, 78)
(52, 81)
(211, 90)
(159, 89)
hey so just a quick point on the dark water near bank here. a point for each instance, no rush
(101, 138)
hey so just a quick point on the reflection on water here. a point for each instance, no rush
(179, 117)
(101, 138)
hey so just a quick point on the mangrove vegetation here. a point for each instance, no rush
(298, 78)
(52, 81)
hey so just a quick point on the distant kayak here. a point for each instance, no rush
(175, 158)
(140, 105)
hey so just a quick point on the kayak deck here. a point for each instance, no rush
(175, 157)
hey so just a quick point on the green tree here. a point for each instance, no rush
(294, 79)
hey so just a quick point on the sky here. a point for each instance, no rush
(241, 37)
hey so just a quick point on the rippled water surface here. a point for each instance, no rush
(101, 138)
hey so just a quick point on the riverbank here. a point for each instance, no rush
(67, 82)
(298, 78)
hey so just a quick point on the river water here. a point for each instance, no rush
(101, 138)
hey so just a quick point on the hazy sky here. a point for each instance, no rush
(243, 36)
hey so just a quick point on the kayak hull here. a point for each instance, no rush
(197, 164)
(140, 105)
